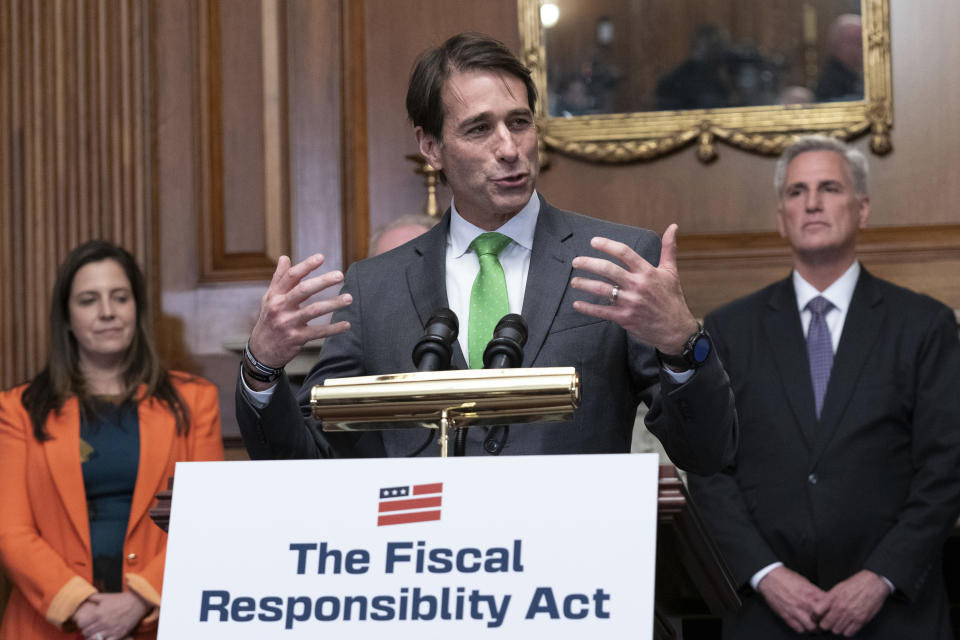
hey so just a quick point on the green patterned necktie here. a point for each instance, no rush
(488, 298)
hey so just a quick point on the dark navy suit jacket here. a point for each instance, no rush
(874, 484)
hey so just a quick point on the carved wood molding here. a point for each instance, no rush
(219, 261)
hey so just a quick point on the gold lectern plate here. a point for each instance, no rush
(469, 397)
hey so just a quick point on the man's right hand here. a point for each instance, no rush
(798, 601)
(282, 329)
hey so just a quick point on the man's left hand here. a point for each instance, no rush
(649, 303)
(854, 602)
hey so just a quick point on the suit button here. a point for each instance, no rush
(132, 558)
(812, 478)
(491, 446)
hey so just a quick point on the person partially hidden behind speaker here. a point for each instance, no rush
(597, 296)
(84, 448)
(847, 480)
(400, 231)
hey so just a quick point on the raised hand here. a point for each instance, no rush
(282, 329)
(794, 598)
(649, 302)
(854, 602)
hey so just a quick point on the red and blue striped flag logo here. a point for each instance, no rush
(417, 503)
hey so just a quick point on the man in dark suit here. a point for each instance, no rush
(847, 477)
(472, 104)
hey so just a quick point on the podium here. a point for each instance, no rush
(691, 578)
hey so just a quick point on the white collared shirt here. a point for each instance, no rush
(462, 264)
(839, 294)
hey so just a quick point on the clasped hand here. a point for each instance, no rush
(110, 616)
(843, 610)
(649, 303)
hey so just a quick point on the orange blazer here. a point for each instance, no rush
(44, 528)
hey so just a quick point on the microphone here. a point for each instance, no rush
(433, 351)
(505, 350)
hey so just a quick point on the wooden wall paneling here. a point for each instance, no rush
(276, 186)
(304, 92)
(396, 32)
(73, 160)
(319, 135)
(717, 268)
(34, 193)
(242, 139)
(354, 164)
(174, 117)
(9, 197)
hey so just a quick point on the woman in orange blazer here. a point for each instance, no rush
(97, 432)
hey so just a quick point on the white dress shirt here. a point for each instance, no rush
(463, 264)
(839, 294)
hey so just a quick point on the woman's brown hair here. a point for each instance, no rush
(62, 378)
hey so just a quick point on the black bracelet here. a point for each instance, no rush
(256, 369)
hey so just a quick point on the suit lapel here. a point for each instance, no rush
(861, 329)
(547, 279)
(157, 432)
(63, 459)
(785, 335)
(427, 279)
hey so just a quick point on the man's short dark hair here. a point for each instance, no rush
(462, 52)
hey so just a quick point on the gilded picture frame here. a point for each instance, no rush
(628, 137)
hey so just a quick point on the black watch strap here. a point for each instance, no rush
(674, 362)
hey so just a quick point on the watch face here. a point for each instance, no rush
(701, 349)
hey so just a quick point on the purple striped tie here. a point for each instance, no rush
(819, 349)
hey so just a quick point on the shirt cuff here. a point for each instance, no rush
(760, 575)
(889, 584)
(257, 399)
(679, 376)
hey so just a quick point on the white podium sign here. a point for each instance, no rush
(512, 547)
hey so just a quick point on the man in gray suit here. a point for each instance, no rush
(588, 290)
(847, 479)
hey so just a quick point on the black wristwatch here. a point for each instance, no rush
(695, 351)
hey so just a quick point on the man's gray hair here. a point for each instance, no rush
(856, 161)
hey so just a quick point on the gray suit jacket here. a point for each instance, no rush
(874, 484)
(394, 296)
